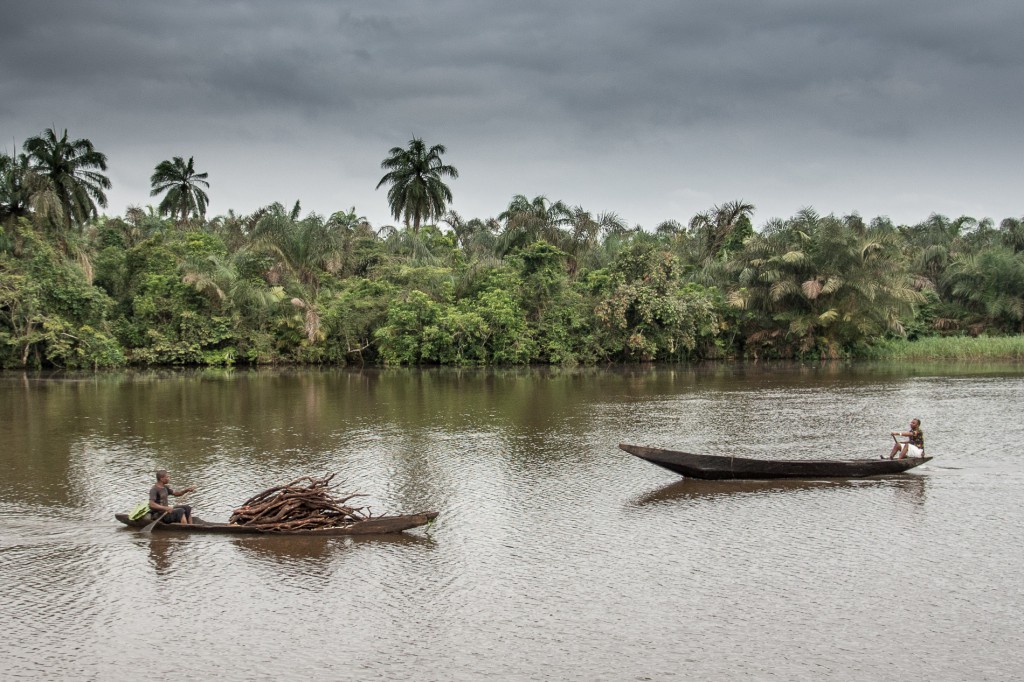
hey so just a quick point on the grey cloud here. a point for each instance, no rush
(544, 83)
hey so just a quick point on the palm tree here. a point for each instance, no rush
(68, 166)
(304, 252)
(990, 284)
(714, 229)
(356, 231)
(669, 228)
(14, 194)
(219, 277)
(933, 244)
(585, 232)
(417, 191)
(527, 221)
(468, 232)
(1012, 230)
(182, 184)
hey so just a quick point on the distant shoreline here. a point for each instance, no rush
(960, 349)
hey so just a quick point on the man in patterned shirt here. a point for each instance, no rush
(914, 445)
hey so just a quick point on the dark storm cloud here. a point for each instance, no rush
(552, 83)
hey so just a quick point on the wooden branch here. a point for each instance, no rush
(295, 506)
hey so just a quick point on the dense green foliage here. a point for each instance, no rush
(544, 282)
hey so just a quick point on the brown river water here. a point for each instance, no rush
(556, 556)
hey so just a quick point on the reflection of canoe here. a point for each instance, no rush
(695, 488)
(374, 526)
(714, 467)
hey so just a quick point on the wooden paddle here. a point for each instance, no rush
(152, 524)
(149, 527)
(895, 440)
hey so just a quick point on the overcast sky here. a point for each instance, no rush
(653, 110)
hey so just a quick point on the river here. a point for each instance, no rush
(556, 556)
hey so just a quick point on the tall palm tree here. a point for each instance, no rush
(417, 192)
(179, 179)
(69, 167)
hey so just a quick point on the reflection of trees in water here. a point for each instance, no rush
(39, 426)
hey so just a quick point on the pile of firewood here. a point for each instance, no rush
(304, 504)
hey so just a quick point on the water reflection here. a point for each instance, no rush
(284, 549)
(910, 488)
(161, 553)
(169, 553)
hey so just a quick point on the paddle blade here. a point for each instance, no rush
(149, 528)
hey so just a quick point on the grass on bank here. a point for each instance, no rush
(950, 348)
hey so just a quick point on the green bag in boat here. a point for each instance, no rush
(139, 511)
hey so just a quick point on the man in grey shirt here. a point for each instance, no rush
(158, 503)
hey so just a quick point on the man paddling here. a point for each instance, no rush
(158, 503)
(913, 446)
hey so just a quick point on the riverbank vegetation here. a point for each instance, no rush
(543, 282)
(954, 348)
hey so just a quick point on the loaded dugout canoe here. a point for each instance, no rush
(716, 467)
(379, 525)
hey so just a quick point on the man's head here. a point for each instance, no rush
(162, 476)
(915, 423)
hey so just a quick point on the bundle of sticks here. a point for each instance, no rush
(304, 504)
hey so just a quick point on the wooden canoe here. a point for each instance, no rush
(375, 526)
(716, 468)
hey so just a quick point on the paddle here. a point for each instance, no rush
(152, 524)
(895, 440)
(149, 527)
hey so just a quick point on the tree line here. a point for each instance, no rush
(543, 282)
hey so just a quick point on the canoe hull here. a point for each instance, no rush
(717, 468)
(376, 526)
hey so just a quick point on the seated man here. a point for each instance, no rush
(158, 501)
(913, 446)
